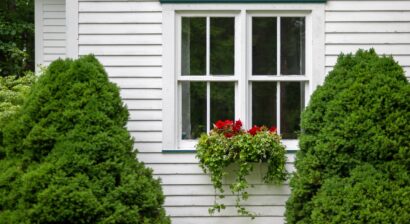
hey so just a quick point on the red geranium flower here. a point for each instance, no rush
(219, 124)
(273, 129)
(237, 126)
(255, 129)
(228, 122)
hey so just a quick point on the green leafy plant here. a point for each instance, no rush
(360, 116)
(13, 92)
(228, 144)
(70, 159)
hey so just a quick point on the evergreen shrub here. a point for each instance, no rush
(69, 157)
(361, 115)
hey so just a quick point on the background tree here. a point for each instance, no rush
(70, 159)
(16, 37)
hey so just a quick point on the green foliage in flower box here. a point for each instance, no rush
(69, 157)
(356, 124)
(229, 144)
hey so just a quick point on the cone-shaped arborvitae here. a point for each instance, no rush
(354, 159)
(69, 157)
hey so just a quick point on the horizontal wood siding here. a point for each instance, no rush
(54, 34)
(382, 25)
(126, 36)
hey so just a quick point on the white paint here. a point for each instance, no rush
(72, 28)
(383, 25)
(50, 35)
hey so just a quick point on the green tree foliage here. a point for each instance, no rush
(361, 115)
(69, 157)
(16, 37)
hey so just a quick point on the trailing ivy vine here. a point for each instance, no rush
(228, 143)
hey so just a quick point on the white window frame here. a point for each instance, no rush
(172, 13)
(207, 78)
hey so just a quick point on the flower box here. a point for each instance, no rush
(228, 143)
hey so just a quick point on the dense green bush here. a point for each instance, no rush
(69, 157)
(360, 115)
(367, 196)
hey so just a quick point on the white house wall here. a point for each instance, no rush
(126, 36)
(381, 24)
(50, 19)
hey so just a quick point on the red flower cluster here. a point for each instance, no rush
(255, 129)
(230, 128)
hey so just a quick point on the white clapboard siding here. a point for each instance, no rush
(265, 200)
(120, 28)
(208, 190)
(126, 36)
(134, 71)
(380, 24)
(137, 83)
(143, 104)
(118, 39)
(141, 94)
(131, 50)
(54, 35)
(183, 169)
(264, 211)
(227, 220)
(144, 147)
(181, 158)
(144, 125)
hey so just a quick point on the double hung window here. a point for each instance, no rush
(241, 64)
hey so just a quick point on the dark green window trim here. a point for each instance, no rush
(242, 1)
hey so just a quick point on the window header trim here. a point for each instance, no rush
(242, 1)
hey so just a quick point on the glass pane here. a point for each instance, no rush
(264, 46)
(193, 58)
(193, 109)
(292, 46)
(264, 103)
(291, 103)
(222, 46)
(222, 101)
